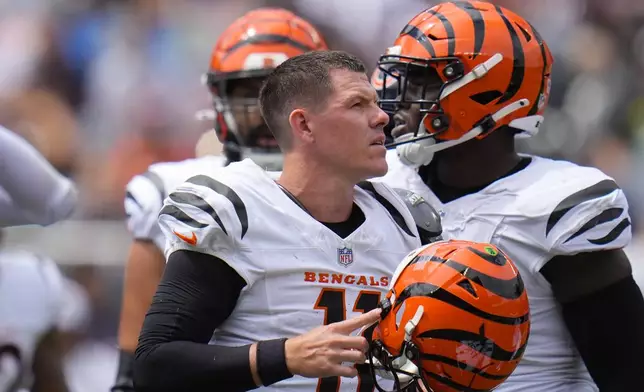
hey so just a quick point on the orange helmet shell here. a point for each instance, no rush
(468, 34)
(476, 316)
(261, 40)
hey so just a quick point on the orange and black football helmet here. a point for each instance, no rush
(456, 318)
(473, 68)
(244, 55)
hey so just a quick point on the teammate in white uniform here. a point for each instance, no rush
(31, 190)
(473, 76)
(258, 261)
(31, 300)
(238, 65)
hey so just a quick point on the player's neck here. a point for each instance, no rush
(477, 163)
(325, 195)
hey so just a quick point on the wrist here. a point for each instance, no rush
(271, 361)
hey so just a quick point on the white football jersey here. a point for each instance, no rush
(145, 193)
(31, 300)
(549, 208)
(299, 273)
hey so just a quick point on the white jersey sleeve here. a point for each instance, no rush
(580, 210)
(33, 192)
(144, 196)
(206, 215)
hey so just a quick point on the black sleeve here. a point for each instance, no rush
(608, 330)
(196, 294)
(603, 309)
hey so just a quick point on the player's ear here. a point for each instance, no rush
(299, 121)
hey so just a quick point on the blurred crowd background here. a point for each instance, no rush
(103, 88)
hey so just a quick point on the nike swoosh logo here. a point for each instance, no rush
(190, 240)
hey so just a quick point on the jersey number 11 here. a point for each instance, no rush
(332, 301)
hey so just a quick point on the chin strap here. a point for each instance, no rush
(421, 153)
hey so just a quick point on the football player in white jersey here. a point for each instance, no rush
(238, 64)
(282, 271)
(31, 190)
(473, 76)
(31, 300)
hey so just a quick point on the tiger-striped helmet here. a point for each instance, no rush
(473, 67)
(456, 318)
(246, 52)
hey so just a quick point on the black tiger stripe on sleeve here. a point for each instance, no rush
(228, 193)
(181, 216)
(605, 216)
(199, 202)
(595, 191)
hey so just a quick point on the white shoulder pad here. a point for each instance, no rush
(575, 209)
(205, 214)
(144, 196)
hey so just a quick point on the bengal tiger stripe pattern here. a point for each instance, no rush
(455, 38)
(475, 321)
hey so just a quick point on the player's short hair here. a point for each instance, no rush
(301, 81)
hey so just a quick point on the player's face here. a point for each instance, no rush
(421, 83)
(245, 109)
(349, 130)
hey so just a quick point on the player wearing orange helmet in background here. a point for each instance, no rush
(244, 54)
(473, 76)
(456, 318)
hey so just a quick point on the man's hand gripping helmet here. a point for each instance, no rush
(456, 318)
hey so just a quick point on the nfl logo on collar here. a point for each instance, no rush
(345, 256)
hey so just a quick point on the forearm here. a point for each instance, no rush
(184, 365)
(197, 367)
